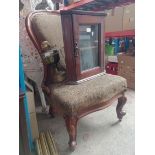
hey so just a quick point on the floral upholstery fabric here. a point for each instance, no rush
(75, 97)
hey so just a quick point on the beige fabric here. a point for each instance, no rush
(74, 97)
(47, 27)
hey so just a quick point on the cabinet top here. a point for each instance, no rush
(78, 12)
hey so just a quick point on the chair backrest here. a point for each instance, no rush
(46, 26)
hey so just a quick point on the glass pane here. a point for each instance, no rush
(88, 44)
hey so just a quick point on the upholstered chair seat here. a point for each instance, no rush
(74, 98)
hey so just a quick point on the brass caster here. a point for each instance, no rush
(72, 145)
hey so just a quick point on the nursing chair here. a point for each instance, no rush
(73, 101)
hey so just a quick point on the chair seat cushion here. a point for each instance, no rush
(76, 97)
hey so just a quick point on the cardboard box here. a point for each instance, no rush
(34, 126)
(113, 21)
(120, 18)
(127, 60)
(130, 80)
(126, 69)
(131, 84)
(129, 17)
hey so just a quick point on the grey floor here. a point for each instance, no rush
(99, 133)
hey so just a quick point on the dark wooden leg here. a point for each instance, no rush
(71, 125)
(51, 111)
(121, 102)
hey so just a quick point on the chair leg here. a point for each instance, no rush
(51, 111)
(71, 125)
(121, 102)
(43, 101)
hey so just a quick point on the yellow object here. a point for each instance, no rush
(50, 144)
(38, 147)
(56, 152)
(45, 144)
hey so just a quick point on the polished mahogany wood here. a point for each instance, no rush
(89, 19)
(68, 38)
(70, 25)
(71, 125)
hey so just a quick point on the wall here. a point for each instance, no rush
(32, 62)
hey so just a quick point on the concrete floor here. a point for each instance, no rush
(98, 133)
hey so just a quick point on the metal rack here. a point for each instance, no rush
(97, 5)
(101, 5)
(127, 33)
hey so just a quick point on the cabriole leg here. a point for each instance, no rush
(51, 111)
(43, 102)
(121, 102)
(71, 125)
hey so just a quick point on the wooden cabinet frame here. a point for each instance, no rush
(70, 25)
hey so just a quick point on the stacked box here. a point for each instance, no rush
(120, 18)
(126, 69)
(129, 17)
(113, 20)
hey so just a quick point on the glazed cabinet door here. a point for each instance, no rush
(88, 45)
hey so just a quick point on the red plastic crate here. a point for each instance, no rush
(112, 68)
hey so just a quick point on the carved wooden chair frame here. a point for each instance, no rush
(72, 119)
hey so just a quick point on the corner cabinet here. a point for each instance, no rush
(83, 43)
